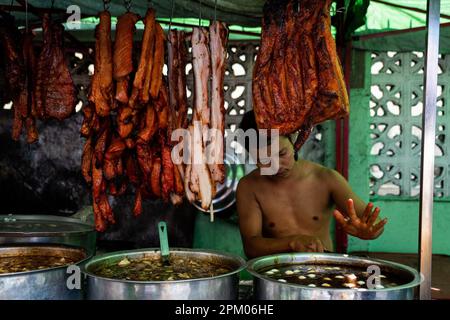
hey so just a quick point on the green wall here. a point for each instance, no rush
(401, 232)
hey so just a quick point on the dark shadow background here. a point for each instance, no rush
(45, 178)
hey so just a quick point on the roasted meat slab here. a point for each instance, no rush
(297, 80)
(55, 90)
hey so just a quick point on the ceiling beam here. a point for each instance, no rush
(393, 32)
(445, 16)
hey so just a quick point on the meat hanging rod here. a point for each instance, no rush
(395, 5)
(428, 145)
(40, 11)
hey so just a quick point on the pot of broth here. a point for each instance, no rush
(47, 229)
(37, 272)
(322, 276)
(141, 275)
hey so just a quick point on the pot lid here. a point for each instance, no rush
(39, 225)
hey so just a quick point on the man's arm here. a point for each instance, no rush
(357, 218)
(250, 225)
(341, 192)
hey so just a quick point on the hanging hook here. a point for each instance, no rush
(200, 14)
(215, 10)
(127, 4)
(106, 4)
(171, 16)
(53, 4)
(149, 4)
(26, 19)
(10, 6)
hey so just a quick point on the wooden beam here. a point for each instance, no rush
(40, 13)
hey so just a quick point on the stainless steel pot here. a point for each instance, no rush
(44, 284)
(47, 229)
(265, 288)
(223, 287)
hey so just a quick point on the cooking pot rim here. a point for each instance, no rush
(44, 245)
(239, 260)
(417, 278)
(85, 227)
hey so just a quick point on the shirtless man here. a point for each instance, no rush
(292, 210)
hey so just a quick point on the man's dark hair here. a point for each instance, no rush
(249, 122)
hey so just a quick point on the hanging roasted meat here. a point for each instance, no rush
(146, 59)
(218, 36)
(297, 78)
(10, 36)
(132, 145)
(123, 54)
(177, 59)
(101, 94)
(55, 90)
(30, 69)
(332, 97)
(18, 81)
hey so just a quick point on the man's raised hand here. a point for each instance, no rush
(364, 227)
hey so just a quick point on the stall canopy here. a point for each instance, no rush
(396, 25)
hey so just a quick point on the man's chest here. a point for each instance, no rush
(288, 207)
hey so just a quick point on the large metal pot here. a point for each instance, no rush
(223, 287)
(47, 229)
(44, 284)
(265, 288)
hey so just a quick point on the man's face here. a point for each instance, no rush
(284, 155)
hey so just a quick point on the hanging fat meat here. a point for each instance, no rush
(218, 36)
(177, 54)
(202, 70)
(123, 54)
(101, 94)
(55, 90)
(297, 71)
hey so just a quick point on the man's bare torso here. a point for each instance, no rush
(298, 204)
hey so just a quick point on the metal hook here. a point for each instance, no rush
(297, 6)
(215, 10)
(149, 4)
(106, 4)
(340, 10)
(127, 4)
(26, 23)
(200, 14)
(171, 16)
(10, 6)
(53, 4)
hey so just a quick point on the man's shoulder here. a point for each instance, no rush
(249, 178)
(322, 172)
